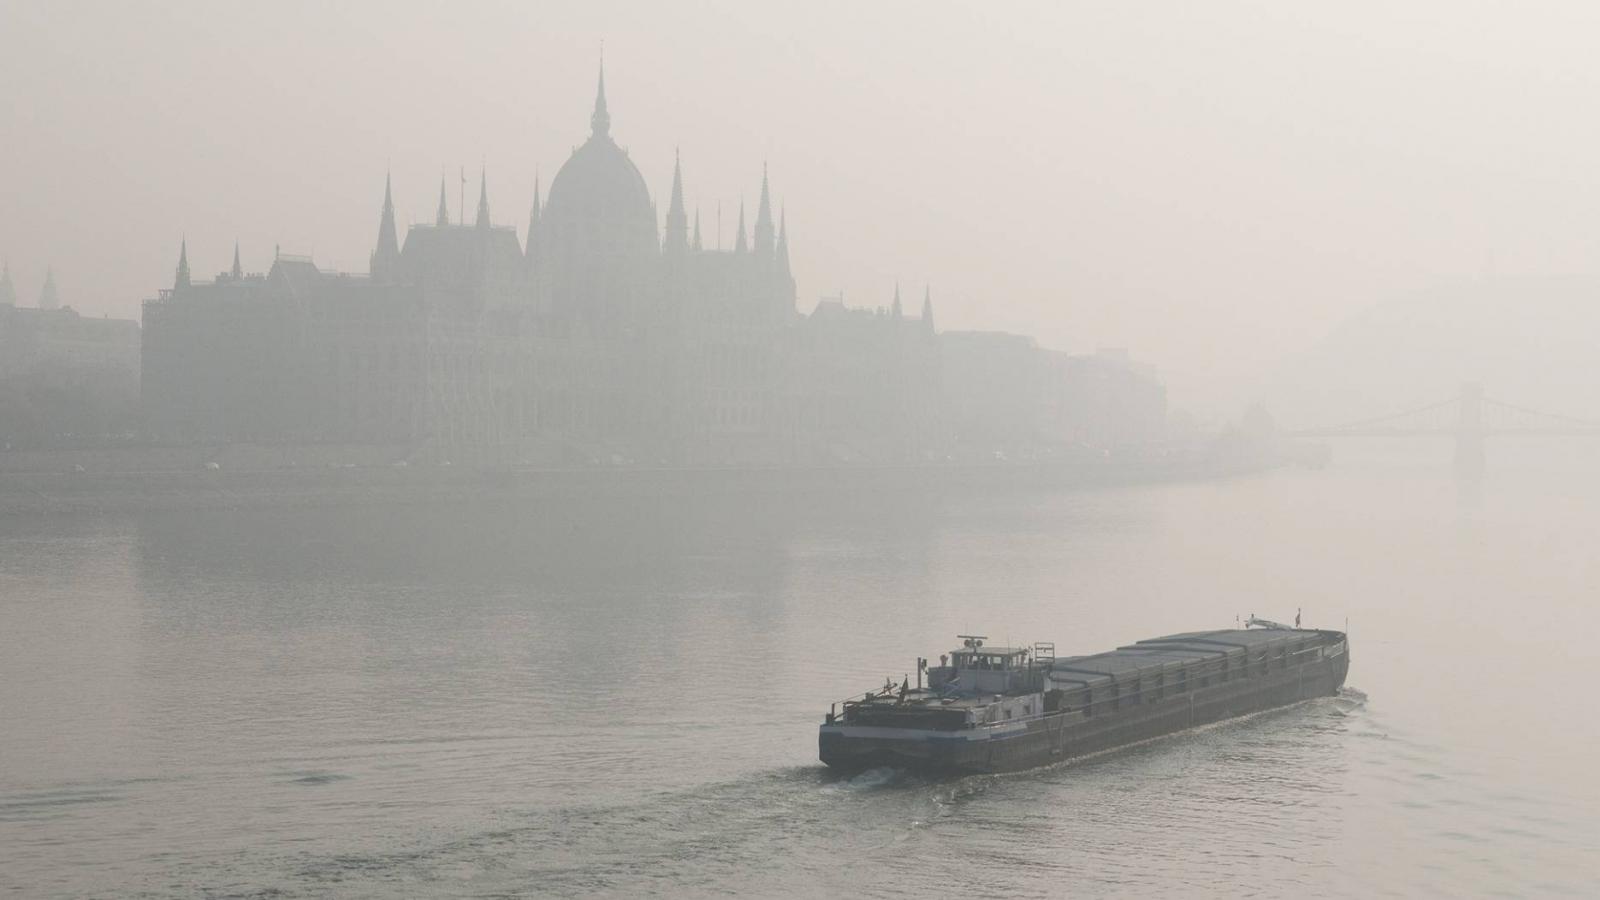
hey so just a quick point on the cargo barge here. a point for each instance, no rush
(997, 709)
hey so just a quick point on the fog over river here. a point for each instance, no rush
(622, 698)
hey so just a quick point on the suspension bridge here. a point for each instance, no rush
(1469, 418)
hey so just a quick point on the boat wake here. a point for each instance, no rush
(1349, 700)
(871, 779)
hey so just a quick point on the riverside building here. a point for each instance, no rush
(602, 338)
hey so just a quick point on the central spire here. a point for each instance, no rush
(600, 121)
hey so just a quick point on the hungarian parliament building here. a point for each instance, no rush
(609, 338)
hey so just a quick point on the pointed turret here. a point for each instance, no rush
(600, 120)
(894, 308)
(677, 237)
(48, 297)
(530, 248)
(182, 279)
(785, 278)
(386, 254)
(8, 291)
(927, 308)
(696, 246)
(740, 245)
(237, 272)
(764, 234)
(483, 198)
(783, 246)
(443, 218)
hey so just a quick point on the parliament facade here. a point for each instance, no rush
(606, 338)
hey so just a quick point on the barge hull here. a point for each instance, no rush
(1068, 734)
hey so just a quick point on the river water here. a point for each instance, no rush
(621, 698)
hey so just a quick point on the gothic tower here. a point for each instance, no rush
(676, 245)
(784, 277)
(764, 223)
(764, 234)
(386, 256)
(533, 248)
(483, 200)
(181, 281)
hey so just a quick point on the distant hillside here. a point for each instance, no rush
(1534, 342)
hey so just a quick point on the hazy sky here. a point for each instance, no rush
(1214, 185)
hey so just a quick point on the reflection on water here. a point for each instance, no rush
(621, 697)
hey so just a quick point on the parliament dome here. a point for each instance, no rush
(598, 199)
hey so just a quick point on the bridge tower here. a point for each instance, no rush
(1469, 431)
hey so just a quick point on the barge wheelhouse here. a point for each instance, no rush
(993, 709)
